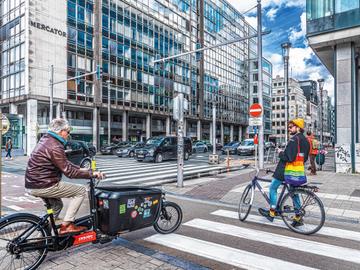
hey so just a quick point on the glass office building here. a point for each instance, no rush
(124, 38)
(333, 29)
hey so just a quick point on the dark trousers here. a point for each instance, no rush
(8, 153)
(312, 164)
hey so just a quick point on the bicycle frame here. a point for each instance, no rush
(58, 242)
(255, 183)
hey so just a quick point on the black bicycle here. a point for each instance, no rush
(25, 239)
(299, 207)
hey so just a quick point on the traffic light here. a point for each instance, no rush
(98, 72)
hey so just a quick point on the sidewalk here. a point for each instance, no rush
(339, 193)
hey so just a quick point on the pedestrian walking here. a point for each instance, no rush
(8, 149)
(314, 150)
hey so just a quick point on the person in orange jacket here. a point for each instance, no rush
(313, 151)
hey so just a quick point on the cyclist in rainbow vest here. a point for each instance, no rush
(296, 130)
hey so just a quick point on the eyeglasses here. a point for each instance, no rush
(67, 130)
(290, 127)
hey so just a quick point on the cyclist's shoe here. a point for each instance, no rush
(269, 214)
(297, 221)
(71, 228)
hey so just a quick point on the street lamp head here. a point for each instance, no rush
(321, 83)
(286, 49)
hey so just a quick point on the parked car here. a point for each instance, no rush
(246, 147)
(199, 147)
(79, 153)
(231, 147)
(129, 150)
(111, 149)
(158, 149)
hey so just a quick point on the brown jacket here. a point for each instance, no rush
(47, 162)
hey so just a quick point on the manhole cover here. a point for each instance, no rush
(356, 193)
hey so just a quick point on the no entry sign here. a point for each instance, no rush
(255, 110)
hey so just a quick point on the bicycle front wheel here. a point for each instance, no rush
(302, 211)
(11, 254)
(245, 202)
(169, 219)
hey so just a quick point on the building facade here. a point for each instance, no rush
(309, 88)
(296, 109)
(333, 31)
(124, 37)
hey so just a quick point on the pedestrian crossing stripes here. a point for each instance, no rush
(224, 254)
(328, 231)
(327, 244)
(132, 172)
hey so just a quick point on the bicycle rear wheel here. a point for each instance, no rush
(309, 218)
(169, 219)
(11, 256)
(245, 202)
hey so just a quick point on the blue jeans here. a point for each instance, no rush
(273, 195)
(8, 153)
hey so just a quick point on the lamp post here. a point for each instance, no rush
(321, 86)
(285, 51)
(109, 111)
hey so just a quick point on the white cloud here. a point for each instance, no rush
(252, 21)
(271, 14)
(243, 6)
(294, 34)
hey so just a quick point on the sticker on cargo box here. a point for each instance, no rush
(122, 209)
(130, 203)
(147, 213)
(106, 204)
(134, 214)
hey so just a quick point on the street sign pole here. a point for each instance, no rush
(180, 142)
(260, 84)
(1, 128)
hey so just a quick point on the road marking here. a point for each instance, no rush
(165, 176)
(14, 207)
(25, 198)
(119, 172)
(328, 231)
(224, 254)
(341, 253)
(340, 197)
(15, 186)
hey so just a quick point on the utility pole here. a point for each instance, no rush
(260, 84)
(214, 126)
(51, 84)
(286, 48)
(109, 112)
(180, 142)
(321, 86)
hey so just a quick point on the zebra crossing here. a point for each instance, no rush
(131, 172)
(332, 246)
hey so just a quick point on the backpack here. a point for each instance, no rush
(314, 144)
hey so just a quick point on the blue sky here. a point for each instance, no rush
(287, 21)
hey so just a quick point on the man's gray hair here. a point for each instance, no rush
(58, 124)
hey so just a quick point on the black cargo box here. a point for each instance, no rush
(126, 208)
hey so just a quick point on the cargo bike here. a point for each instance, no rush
(25, 239)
